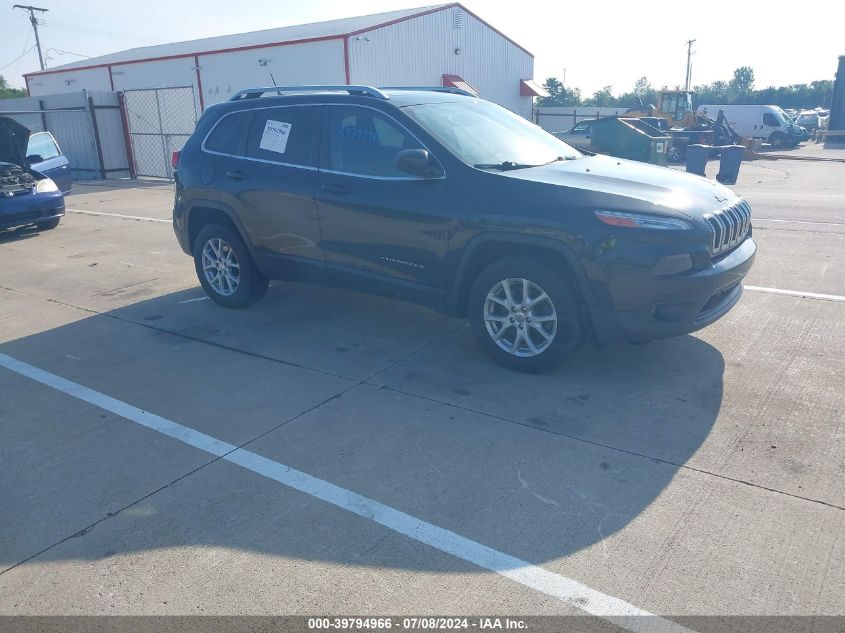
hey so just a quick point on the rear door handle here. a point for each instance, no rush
(338, 190)
(237, 174)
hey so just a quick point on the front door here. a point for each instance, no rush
(378, 223)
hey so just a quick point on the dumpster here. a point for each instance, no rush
(630, 138)
(697, 158)
(731, 159)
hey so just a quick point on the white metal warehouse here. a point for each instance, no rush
(437, 45)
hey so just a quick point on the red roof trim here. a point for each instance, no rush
(527, 88)
(456, 81)
(287, 43)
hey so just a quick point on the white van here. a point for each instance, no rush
(766, 122)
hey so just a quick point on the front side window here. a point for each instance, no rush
(488, 136)
(770, 120)
(284, 135)
(43, 145)
(363, 141)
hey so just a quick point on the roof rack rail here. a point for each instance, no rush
(449, 89)
(253, 93)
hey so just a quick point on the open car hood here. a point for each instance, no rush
(14, 139)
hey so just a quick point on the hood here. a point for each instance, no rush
(14, 139)
(653, 188)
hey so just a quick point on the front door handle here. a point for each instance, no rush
(237, 174)
(338, 190)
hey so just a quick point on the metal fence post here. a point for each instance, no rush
(89, 102)
(127, 138)
(43, 115)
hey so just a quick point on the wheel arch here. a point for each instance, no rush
(488, 247)
(205, 212)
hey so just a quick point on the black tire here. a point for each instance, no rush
(47, 225)
(251, 284)
(777, 140)
(563, 299)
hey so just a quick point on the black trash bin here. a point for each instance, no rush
(729, 163)
(697, 158)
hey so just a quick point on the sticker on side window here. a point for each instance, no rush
(275, 136)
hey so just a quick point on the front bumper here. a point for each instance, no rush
(676, 305)
(31, 209)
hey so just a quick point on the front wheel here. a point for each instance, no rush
(225, 268)
(524, 314)
(777, 140)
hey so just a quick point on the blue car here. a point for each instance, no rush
(45, 157)
(27, 195)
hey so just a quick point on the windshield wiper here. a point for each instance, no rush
(505, 165)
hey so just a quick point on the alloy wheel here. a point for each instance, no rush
(221, 267)
(520, 317)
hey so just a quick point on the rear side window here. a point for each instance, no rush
(229, 135)
(363, 141)
(42, 145)
(284, 135)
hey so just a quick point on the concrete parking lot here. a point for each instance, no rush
(325, 452)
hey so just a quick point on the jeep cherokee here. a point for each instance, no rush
(434, 196)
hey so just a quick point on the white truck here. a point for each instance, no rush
(766, 122)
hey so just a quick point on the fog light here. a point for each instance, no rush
(672, 264)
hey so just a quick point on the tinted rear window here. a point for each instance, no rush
(229, 135)
(284, 135)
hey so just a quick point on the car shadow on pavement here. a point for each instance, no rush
(386, 399)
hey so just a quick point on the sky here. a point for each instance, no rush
(609, 43)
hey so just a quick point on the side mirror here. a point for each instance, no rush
(417, 162)
(34, 158)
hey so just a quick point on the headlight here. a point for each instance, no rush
(45, 185)
(642, 221)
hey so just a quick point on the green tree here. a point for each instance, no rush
(559, 95)
(7, 92)
(743, 82)
(602, 98)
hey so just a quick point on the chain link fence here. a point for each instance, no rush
(160, 121)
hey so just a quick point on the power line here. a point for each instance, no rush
(34, 21)
(18, 57)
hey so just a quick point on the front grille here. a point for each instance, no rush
(729, 226)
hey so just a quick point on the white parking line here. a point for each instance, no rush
(565, 589)
(796, 293)
(194, 300)
(119, 215)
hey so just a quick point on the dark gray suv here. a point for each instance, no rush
(434, 196)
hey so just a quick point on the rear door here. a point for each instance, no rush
(44, 155)
(269, 180)
(378, 224)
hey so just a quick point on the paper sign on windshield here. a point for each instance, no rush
(275, 137)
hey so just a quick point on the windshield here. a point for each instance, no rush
(486, 135)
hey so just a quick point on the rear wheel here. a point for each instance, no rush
(225, 268)
(524, 314)
(49, 224)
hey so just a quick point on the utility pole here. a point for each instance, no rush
(34, 22)
(689, 64)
